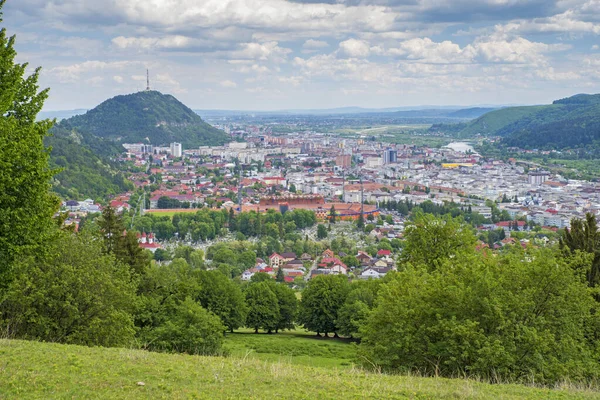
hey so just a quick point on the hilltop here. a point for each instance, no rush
(46, 370)
(566, 123)
(150, 117)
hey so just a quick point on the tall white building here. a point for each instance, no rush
(176, 149)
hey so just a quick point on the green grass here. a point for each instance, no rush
(294, 347)
(32, 370)
(171, 213)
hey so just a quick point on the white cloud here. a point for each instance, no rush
(315, 44)
(355, 48)
(595, 47)
(72, 73)
(118, 78)
(228, 84)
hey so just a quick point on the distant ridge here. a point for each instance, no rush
(571, 122)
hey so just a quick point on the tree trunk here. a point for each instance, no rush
(335, 335)
(255, 330)
(326, 334)
(318, 334)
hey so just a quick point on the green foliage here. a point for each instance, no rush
(287, 304)
(133, 118)
(521, 316)
(321, 231)
(189, 328)
(584, 236)
(430, 240)
(263, 308)
(221, 296)
(357, 307)
(321, 301)
(86, 171)
(124, 245)
(26, 205)
(74, 294)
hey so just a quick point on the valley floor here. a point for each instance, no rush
(49, 371)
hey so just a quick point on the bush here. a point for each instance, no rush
(76, 294)
(523, 316)
(189, 328)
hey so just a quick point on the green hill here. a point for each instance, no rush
(573, 122)
(87, 171)
(149, 117)
(45, 370)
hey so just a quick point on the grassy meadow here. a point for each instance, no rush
(296, 347)
(54, 371)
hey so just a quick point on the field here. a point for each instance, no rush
(43, 371)
(170, 213)
(294, 347)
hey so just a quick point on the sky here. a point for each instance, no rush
(298, 54)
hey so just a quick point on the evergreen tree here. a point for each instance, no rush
(332, 215)
(26, 204)
(280, 277)
(584, 236)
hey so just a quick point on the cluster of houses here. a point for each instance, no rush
(306, 267)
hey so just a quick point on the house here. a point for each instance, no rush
(276, 260)
(148, 242)
(288, 256)
(248, 274)
(328, 254)
(383, 253)
(363, 258)
(306, 257)
(374, 272)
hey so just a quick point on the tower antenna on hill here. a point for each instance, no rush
(147, 80)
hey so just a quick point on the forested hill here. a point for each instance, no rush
(572, 122)
(86, 167)
(149, 117)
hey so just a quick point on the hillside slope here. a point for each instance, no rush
(150, 117)
(43, 370)
(573, 122)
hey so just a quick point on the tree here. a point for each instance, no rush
(287, 304)
(584, 236)
(122, 244)
(26, 204)
(75, 294)
(351, 261)
(321, 231)
(280, 277)
(332, 214)
(190, 329)
(321, 300)
(429, 240)
(221, 296)
(263, 308)
(247, 259)
(519, 316)
(260, 277)
(357, 307)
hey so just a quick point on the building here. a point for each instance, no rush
(176, 149)
(537, 178)
(390, 156)
(344, 161)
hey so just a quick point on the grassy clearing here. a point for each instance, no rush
(41, 370)
(295, 347)
(170, 213)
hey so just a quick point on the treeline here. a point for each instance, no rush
(207, 224)
(408, 207)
